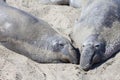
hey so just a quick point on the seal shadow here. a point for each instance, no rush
(100, 63)
(78, 55)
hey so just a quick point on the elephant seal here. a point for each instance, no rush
(97, 32)
(32, 37)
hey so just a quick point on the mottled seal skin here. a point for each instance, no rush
(32, 37)
(97, 32)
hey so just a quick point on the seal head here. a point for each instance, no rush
(92, 51)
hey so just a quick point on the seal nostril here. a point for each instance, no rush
(86, 67)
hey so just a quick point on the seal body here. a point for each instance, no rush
(32, 37)
(97, 32)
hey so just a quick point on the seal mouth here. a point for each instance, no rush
(92, 58)
(89, 65)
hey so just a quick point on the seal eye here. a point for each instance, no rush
(97, 46)
(61, 45)
(58, 46)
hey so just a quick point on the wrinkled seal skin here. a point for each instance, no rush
(32, 37)
(97, 32)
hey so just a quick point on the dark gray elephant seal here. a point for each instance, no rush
(32, 37)
(97, 32)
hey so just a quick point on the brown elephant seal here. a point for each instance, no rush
(32, 37)
(97, 32)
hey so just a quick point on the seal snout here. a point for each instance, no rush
(71, 55)
(87, 55)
